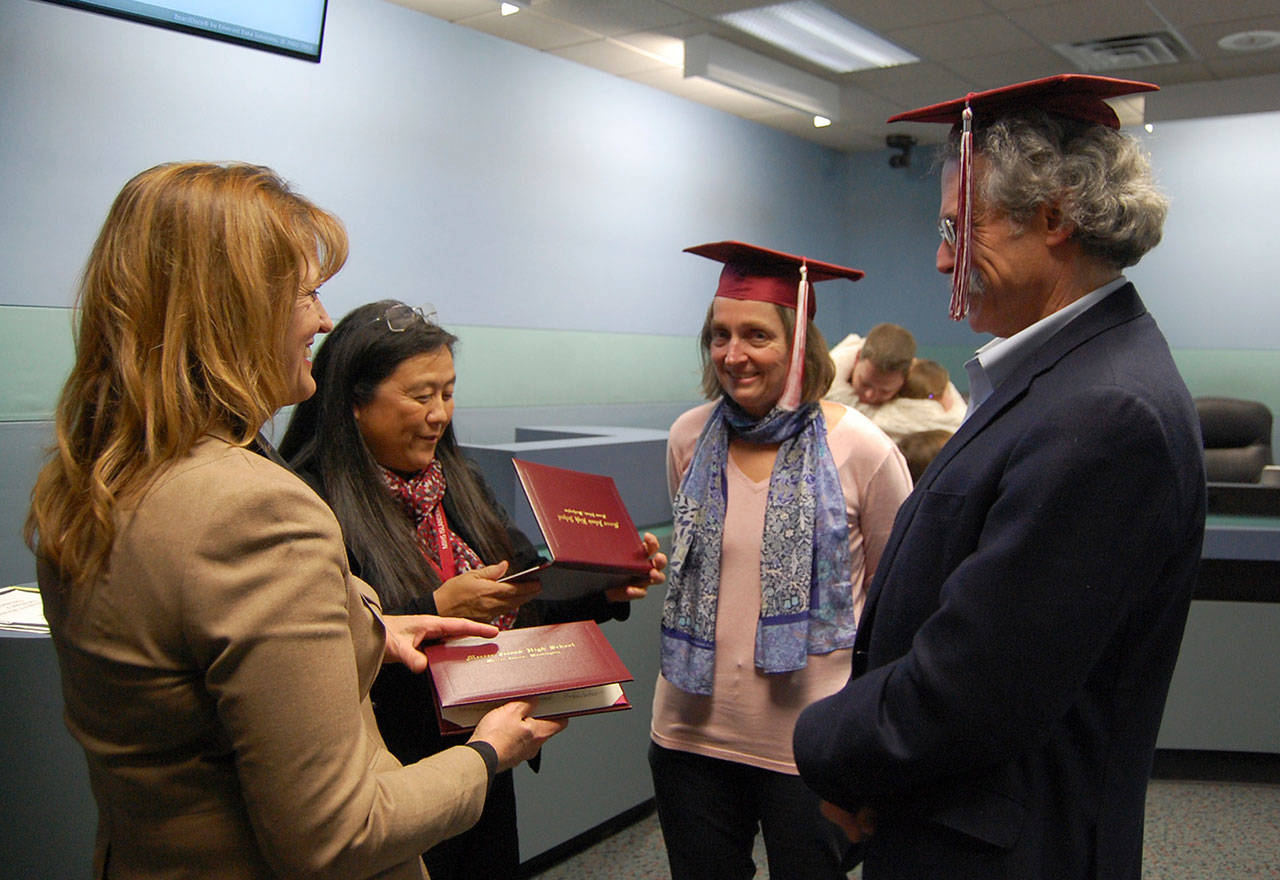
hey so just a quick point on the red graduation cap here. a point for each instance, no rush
(762, 274)
(1076, 96)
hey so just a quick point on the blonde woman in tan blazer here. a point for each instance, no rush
(216, 652)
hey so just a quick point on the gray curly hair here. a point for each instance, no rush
(1101, 178)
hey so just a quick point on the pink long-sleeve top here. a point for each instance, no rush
(750, 715)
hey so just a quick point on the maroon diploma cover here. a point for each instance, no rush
(589, 534)
(569, 667)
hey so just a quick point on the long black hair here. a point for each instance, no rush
(324, 441)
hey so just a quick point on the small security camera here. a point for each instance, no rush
(903, 142)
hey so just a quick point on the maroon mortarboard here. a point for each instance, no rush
(1077, 96)
(1073, 95)
(762, 274)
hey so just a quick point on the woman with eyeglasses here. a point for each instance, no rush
(377, 442)
(216, 652)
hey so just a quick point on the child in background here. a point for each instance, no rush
(929, 380)
(920, 448)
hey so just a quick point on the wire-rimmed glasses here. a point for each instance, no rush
(401, 317)
(947, 229)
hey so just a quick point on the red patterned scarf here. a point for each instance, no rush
(444, 550)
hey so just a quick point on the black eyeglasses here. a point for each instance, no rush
(401, 317)
(947, 229)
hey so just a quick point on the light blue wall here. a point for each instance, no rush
(1214, 278)
(511, 188)
(1211, 283)
(508, 186)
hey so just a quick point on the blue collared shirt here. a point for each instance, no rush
(999, 358)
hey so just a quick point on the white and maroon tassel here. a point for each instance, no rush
(790, 399)
(964, 223)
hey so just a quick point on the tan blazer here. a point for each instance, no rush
(218, 677)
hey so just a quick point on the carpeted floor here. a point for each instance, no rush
(1195, 830)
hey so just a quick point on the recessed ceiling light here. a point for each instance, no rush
(821, 122)
(1250, 41)
(509, 8)
(815, 33)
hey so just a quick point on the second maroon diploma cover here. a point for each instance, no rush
(593, 543)
(570, 667)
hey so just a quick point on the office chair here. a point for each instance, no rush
(1237, 438)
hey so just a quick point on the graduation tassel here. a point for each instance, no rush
(790, 399)
(964, 223)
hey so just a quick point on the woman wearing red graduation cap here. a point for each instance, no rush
(782, 507)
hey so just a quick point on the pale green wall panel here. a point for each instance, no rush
(36, 353)
(504, 366)
(1252, 374)
(497, 366)
(1249, 374)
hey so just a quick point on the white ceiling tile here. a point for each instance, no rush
(992, 70)
(611, 56)
(1214, 98)
(1256, 64)
(962, 39)
(912, 85)
(1182, 13)
(1086, 20)
(965, 45)
(614, 17)
(860, 107)
(1171, 74)
(712, 8)
(450, 10)
(529, 28)
(1006, 5)
(1204, 38)
(886, 15)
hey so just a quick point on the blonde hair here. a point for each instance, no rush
(183, 310)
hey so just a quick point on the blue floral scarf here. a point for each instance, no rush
(805, 572)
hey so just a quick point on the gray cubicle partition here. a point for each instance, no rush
(1225, 693)
(597, 768)
(49, 814)
(22, 445)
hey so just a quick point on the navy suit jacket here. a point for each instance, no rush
(1023, 625)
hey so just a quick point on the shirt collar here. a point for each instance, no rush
(1001, 357)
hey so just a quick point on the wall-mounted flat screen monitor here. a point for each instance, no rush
(290, 27)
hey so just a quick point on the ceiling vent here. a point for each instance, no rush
(1121, 53)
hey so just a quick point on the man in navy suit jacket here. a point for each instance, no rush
(1014, 655)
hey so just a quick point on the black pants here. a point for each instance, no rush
(710, 809)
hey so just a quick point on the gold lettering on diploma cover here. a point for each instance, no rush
(533, 652)
(586, 518)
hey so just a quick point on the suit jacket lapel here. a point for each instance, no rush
(1121, 306)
